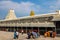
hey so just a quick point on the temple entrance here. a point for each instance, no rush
(57, 27)
(50, 28)
(35, 29)
(2, 28)
(28, 28)
(42, 30)
(24, 29)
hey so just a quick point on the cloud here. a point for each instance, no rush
(50, 6)
(55, 5)
(24, 8)
(21, 9)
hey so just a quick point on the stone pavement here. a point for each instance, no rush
(9, 36)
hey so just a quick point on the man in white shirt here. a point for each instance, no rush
(17, 34)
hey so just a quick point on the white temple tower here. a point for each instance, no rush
(11, 15)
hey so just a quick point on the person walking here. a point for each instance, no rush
(14, 34)
(29, 35)
(53, 34)
(17, 34)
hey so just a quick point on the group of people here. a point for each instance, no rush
(16, 34)
(50, 34)
(32, 34)
(35, 34)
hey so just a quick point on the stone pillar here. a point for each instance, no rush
(26, 29)
(55, 29)
(32, 28)
(46, 28)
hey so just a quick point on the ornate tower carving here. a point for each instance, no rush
(11, 15)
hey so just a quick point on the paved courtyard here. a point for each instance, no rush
(9, 36)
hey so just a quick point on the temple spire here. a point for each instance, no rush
(11, 15)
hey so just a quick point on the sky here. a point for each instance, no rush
(23, 7)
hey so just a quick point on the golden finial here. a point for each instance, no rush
(32, 13)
